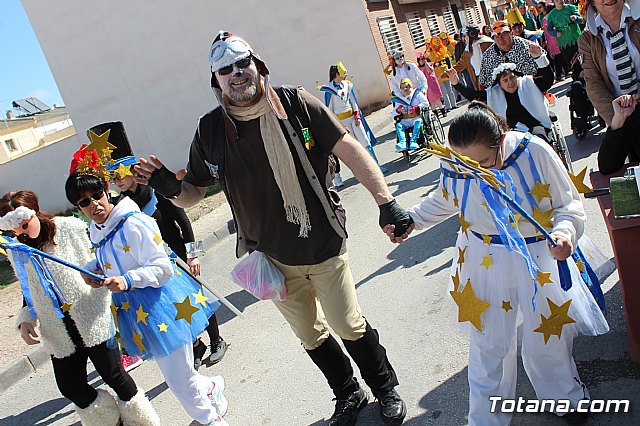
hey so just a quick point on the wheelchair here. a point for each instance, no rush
(431, 133)
(555, 138)
(559, 143)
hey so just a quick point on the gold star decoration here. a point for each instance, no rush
(142, 315)
(464, 225)
(107, 266)
(456, 281)
(445, 194)
(580, 265)
(114, 313)
(126, 249)
(516, 220)
(137, 339)
(123, 171)
(92, 250)
(543, 278)
(506, 305)
(178, 272)
(486, 206)
(486, 239)
(543, 218)
(578, 181)
(461, 255)
(99, 142)
(185, 309)
(470, 308)
(201, 298)
(486, 262)
(66, 307)
(125, 306)
(456, 201)
(557, 319)
(157, 238)
(540, 191)
(163, 327)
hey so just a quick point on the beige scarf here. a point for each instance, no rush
(280, 160)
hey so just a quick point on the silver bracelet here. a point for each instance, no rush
(194, 249)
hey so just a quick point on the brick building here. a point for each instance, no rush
(405, 24)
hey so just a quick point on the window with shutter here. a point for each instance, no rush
(415, 28)
(389, 33)
(432, 22)
(449, 20)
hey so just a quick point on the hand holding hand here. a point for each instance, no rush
(564, 248)
(389, 230)
(28, 332)
(194, 266)
(392, 214)
(115, 284)
(535, 50)
(156, 175)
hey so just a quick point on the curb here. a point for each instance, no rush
(22, 367)
(219, 234)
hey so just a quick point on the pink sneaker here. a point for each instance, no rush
(130, 362)
(216, 396)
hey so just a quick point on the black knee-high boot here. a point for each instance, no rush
(336, 367)
(371, 358)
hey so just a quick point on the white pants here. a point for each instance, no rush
(493, 352)
(356, 131)
(191, 389)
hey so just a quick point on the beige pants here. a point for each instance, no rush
(319, 296)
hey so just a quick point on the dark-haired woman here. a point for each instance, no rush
(86, 329)
(491, 281)
(159, 312)
(517, 98)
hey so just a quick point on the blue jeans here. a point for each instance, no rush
(402, 139)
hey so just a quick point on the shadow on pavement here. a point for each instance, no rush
(41, 414)
(240, 299)
(419, 248)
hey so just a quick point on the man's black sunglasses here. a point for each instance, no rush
(86, 201)
(242, 63)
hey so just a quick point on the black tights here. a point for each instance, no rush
(212, 330)
(71, 372)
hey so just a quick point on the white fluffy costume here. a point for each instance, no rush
(89, 306)
(489, 283)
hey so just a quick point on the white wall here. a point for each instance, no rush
(144, 62)
(43, 171)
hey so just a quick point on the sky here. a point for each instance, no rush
(24, 72)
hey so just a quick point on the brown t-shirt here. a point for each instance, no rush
(256, 199)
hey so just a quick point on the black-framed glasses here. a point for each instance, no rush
(495, 160)
(86, 201)
(242, 64)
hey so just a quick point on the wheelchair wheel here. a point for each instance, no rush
(438, 130)
(560, 146)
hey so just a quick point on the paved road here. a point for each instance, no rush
(271, 381)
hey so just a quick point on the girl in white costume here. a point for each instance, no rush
(160, 311)
(340, 98)
(490, 282)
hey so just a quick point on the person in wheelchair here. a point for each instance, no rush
(407, 108)
(517, 98)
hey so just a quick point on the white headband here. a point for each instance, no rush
(227, 51)
(502, 68)
(14, 218)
